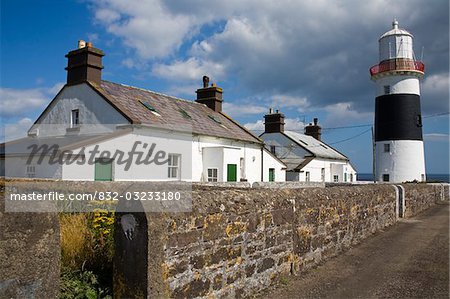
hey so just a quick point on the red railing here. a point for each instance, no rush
(397, 65)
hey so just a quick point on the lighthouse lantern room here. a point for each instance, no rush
(399, 151)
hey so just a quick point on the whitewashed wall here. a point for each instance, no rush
(16, 166)
(170, 144)
(271, 162)
(96, 115)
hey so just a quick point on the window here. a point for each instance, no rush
(419, 120)
(148, 105)
(351, 177)
(31, 171)
(307, 176)
(271, 174)
(335, 178)
(75, 118)
(272, 149)
(387, 148)
(385, 177)
(212, 174)
(387, 89)
(322, 174)
(345, 177)
(174, 166)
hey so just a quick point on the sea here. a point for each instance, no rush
(431, 177)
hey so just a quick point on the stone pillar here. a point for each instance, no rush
(139, 255)
(29, 254)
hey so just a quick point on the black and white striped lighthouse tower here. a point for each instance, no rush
(399, 152)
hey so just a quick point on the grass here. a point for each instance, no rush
(87, 250)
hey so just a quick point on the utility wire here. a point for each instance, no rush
(359, 126)
(353, 137)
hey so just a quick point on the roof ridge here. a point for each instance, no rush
(154, 92)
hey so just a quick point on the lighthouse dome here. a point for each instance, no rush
(396, 31)
(396, 43)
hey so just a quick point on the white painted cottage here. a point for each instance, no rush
(307, 158)
(99, 130)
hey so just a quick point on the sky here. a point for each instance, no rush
(306, 58)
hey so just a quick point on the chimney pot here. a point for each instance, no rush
(81, 44)
(205, 81)
(270, 110)
(89, 44)
(315, 121)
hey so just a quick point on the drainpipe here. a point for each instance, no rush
(262, 163)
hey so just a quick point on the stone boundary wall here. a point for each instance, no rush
(29, 254)
(419, 197)
(236, 242)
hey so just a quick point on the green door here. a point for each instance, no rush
(103, 169)
(271, 174)
(231, 172)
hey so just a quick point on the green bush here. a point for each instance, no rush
(78, 284)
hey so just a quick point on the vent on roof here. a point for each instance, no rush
(303, 142)
(185, 114)
(215, 119)
(323, 146)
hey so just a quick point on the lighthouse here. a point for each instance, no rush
(399, 152)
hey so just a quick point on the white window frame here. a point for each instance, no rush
(75, 118)
(387, 147)
(211, 177)
(307, 176)
(273, 149)
(31, 171)
(174, 171)
(336, 178)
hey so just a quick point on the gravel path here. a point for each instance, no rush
(408, 260)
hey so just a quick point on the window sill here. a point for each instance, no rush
(73, 129)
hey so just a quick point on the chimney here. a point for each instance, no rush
(274, 122)
(211, 96)
(84, 64)
(314, 130)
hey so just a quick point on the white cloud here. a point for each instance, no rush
(291, 124)
(257, 126)
(149, 26)
(287, 101)
(343, 114)
(439, 137)
(20, 102)
(191, 69)
(16, 130)
(435, 94)
(235, 110)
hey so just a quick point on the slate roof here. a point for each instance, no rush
(171, 112)
(316, 147)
